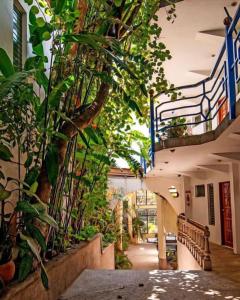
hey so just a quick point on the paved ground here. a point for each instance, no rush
(222, 283)
(143, 256)
(151, 285)
(225, 263)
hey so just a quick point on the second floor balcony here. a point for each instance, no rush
(200, 112)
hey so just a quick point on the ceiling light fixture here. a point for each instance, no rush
(173, 191)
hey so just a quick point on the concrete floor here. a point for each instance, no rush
(225, 263)
(150, 285)
(222, 283)
(143, 256)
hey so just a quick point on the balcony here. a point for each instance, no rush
(201, 112)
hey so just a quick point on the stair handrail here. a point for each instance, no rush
(195, 237)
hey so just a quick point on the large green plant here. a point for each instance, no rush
(93, 87)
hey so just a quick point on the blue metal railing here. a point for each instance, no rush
(201, 102)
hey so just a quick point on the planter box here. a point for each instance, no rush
(62, 271)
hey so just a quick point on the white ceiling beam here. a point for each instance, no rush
(235, 156)
(220, 168)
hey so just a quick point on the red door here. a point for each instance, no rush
(226, 213)
(223, 110)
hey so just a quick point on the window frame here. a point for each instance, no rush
(18, 58)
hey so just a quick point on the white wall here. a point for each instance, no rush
(200, 204)
(126, 184)
(185, 259)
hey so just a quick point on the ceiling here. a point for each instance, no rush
(194, 39)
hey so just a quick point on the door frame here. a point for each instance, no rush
(221, 212)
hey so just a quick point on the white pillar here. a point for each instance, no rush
(235, 206)
(161, 234)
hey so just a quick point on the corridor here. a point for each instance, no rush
(143, 256)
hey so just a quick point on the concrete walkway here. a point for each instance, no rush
(151, 285)
(225, 263)
(143, 256)
(138, 284)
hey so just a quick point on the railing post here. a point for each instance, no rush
(231, 89)
(152, 127)
(207, 265)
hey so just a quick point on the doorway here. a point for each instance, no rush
(226, 213)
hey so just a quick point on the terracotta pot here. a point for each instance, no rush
(7, 271)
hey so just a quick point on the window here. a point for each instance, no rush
(149, 218)
(145, 198)
(200, 190)
(17, 36)
(211, 210)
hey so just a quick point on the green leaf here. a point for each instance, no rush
(16, 80)
(44, 277)
(25, 267)
(6, 66)
(32, 245)
(58, 5)
(46, 35)
(5, 153)
(37, 235)
(32, 176)
(85, 141)
(52, 164)
(56, 93)
(34, 187)
(102, 158)
(118, 3)
(26, 207)
(40, 22)
(29, 2)
(4, 194)
(91, 134)
(132, 104)
(28, 161)
(48, 219)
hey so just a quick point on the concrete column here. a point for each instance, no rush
(161, 235)
(235, 205)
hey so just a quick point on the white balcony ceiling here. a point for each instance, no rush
(194, 38)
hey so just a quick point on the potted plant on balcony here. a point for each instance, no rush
(176, 127)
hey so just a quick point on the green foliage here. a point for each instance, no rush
(75, 121)
(6, 66)
(122, 262)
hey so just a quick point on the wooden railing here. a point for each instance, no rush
(196, 238)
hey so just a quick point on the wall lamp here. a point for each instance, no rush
(173, 191)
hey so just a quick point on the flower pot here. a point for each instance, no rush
(7, 271)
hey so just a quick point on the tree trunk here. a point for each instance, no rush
(70, 129)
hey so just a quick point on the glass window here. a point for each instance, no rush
(200, 190)
(148, 216)
(211, 210)
(17, 37)
(141, 197)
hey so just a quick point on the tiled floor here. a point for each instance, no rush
(225, 263)
(143, 256)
